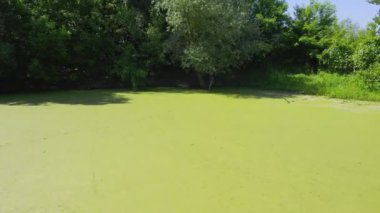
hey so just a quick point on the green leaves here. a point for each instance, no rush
(313, 28)
(367, 52)
(371, 77)
(210, 36)
(271, 16)
(129, 69)
(374, 1)
(55, 42)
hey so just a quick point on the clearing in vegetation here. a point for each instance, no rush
(171, 151)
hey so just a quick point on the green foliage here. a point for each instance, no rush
(152, 49)
(272, 19)
(376, 23)
(60, 43)
(339, 55)
(210, 36)
(367, 52)
(14, 26)
(374, 1)
(7, 58)
(371, 78)
(352, 86)
(129, 69)
(142, 5)
(54, 41)
(313, 28)
(48, 49)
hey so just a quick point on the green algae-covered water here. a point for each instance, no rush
(187, 152)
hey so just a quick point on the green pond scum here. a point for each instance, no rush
(183, 151)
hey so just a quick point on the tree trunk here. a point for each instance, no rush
(211, 82)
(202, 82)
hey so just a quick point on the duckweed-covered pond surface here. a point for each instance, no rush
(179, 151)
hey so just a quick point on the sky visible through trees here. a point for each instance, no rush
(359, 11)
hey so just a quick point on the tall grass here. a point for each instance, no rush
(363, 85)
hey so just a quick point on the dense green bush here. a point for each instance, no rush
(51, 42)
(7, 58)
(128, 67)
(367, 52)
(371, 78)
(312, 29)
(339, 57)
(15, 18)
(48, 50)
(349, 86)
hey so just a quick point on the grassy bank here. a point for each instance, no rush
(360, 85)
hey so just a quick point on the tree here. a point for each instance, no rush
(272, 19)
(313, 28)
(52, 42)
(210, 36)
(374, 1)
(99, 34)
(15, 19)
(376, 23)
(142, 5)
(339, 55)
(368, 52)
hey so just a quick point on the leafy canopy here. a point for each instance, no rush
(210, 36)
